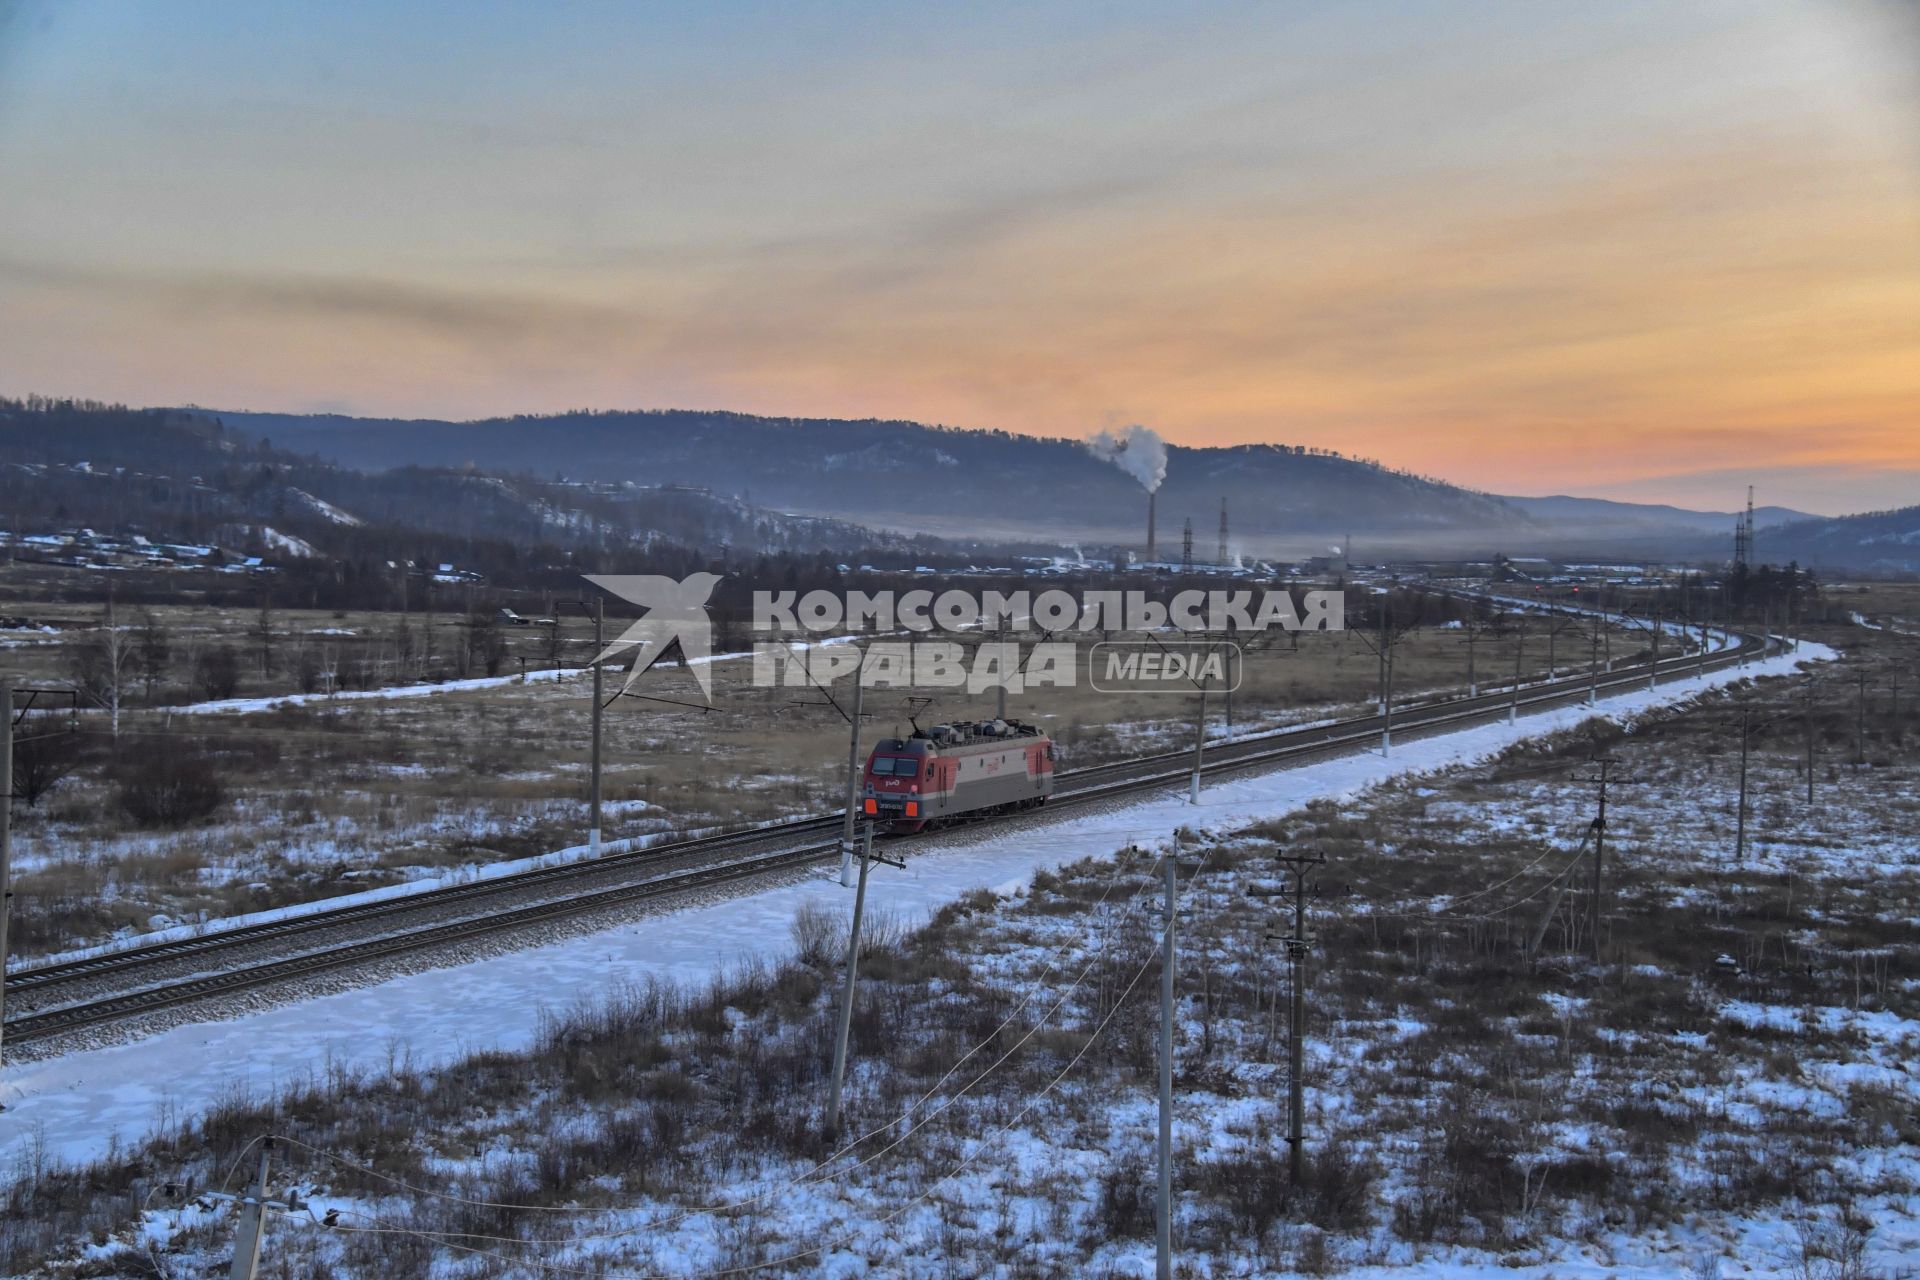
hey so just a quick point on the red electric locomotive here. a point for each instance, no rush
(952, 771)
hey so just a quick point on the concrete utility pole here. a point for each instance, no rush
(253, 1221)
(867, 859)
(1199, 745)
(6, 842)
(1386, 715)
(1163, 1227)
(593, 802)
(1740, 829)
(1593, 666)
(1519, 647)
(1232, 651)
(1473, 679)
(1380, 702)
(853, 780)
(1653, 667)
(1001, 707)
(1297, 944)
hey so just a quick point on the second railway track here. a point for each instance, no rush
(94, 991)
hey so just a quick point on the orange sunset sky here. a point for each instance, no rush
(1652, 251)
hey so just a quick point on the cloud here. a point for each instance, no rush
(480, 317)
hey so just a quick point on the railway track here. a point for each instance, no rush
(65, 997)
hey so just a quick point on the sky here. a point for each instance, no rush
(1650, 251)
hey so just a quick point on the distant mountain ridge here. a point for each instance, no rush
(907, 474)
(183, 475)
(1881, 542)
(687, 477)
(1563, 509)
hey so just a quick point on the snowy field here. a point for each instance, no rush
(1731, 1097)
(76, 1107)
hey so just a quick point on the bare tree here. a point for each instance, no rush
(101, 664)
(40, 760)
(154, 649)
(486, 645)
(263, 634)
(220, 672)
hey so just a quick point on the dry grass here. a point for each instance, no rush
(344, 794)
(1462, 1091)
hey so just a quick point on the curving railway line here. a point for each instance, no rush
(53, 999)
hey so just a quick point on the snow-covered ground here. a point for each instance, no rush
(242, 706)
(75, 1107)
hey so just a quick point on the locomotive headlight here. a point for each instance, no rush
(913, 809)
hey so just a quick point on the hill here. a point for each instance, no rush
(1878, 542)
(111, 487)
(912, 476)
(1604, 516)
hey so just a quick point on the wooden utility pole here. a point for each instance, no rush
(1860, 719)
(6, 841)
(1740, 830)
(1553, 903)
(1599, 857)
(1808, 718)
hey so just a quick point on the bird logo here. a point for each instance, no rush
(676, 610)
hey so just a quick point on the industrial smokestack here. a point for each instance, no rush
(1152, 498)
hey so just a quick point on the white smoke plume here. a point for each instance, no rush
(1136, 450)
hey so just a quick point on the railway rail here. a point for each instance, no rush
(63, 997)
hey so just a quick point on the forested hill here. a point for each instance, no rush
(182, 477)
(1876, 542)
(907, 474)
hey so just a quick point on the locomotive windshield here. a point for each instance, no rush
(890, 766)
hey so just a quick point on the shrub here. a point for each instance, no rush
(40, 760)
(166, 789)
(1126, 1210)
